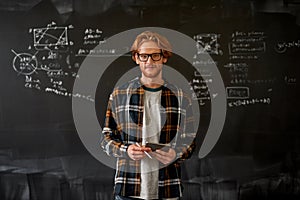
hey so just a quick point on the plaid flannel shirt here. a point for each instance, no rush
(123, 127)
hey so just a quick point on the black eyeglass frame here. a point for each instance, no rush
(150, 54)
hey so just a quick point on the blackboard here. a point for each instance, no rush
(254, 44)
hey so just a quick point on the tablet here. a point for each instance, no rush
(155, 146)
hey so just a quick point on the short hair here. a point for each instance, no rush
(160, 40)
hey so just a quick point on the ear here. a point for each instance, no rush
(165, 60)
(136, 59)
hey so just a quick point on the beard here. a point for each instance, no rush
(151, 70)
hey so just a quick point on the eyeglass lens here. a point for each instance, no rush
(154, 57)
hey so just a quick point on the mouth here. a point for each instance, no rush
(150, 66)
(150, 69)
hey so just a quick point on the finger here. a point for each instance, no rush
(136, 148)
(137, 153)
(146, 149)
(161, 152)
(141, 149)
(161, 159)
(158, 156)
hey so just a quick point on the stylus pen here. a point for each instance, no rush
(147, 154)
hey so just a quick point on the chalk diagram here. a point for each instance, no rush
(208, 43)
(24, 63)
(51, 37)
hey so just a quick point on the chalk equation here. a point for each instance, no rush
(247, 102)
(282, 47)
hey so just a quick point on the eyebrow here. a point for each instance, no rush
(160, 51)
(149, 53)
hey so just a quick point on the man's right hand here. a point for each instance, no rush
(137, 153)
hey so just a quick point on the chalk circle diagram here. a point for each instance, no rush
(25, 63)
(93, 67)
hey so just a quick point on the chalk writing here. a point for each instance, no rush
(33, 86)
(68, 94)
(247, 34)
(243, 57)
(247, 102)
(246, 45)
(282, 47)
(102, 52)
(248, 81)
(247, 48)
(202, 72)
(204, 62)
(290, 80)
(237, 92)
(93, 37)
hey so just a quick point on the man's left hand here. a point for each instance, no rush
(165, 157)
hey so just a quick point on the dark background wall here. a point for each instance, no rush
(255, 45)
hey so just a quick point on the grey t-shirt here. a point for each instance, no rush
(151, 133)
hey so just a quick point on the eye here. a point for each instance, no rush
(143, 56)
(156, 56)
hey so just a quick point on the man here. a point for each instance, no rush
(148, 109)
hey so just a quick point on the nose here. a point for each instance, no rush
(149, 60)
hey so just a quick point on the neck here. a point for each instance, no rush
(152, 82)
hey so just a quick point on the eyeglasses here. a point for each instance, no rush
(143, 57)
